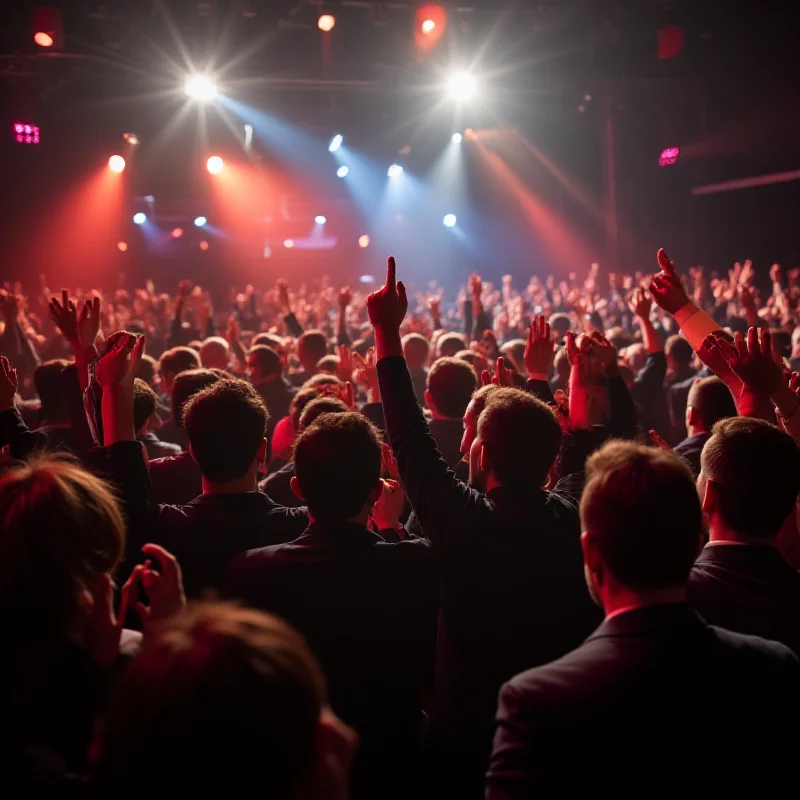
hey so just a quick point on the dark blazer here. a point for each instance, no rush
(368, 610)
(204, 534)
(175, 479)
(448, 433)
(156, 448)
(513, 589)
(691, 448)
(748, 589)
(656, 703)
(277, 486)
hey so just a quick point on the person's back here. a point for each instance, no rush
(656, 702)
(367, 607)
(749, 480)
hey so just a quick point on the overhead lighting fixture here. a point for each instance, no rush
(462, 86)
(122, 246)
(428, 26)
(343, 171)
(288, 243)
(204, 245)
(116, 163)
(326, 22)
(449, 220)
(363, 241)
(131, 138)
(215, 165)
(139, 218)
(320, 219)
(43, 39)
(457, 138)
(200, 221)
(177, 233)
(335, 143)
(395, 171)
(200, 87)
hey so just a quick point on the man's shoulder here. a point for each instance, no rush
(758, 651)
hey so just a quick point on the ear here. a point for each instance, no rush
(591, 557)
(484, 459)
(191, 452)
(294, 484)
(691, 416)
(261, 453)
(428, 400)
(335, 752)
(709, 497)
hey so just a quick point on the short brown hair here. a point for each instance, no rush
(219, 697)
(712, 400)
(756, 472)
(324, 404)
(187, 384)
(522, 438)
(312, 345)
(449, 344)
(679, 350)
(60, 528)
(177, 360)
(226, 423)
(144, 403)
(451, 383)
(641, 508)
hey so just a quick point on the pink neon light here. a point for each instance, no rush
(26, 134)
(668, 156)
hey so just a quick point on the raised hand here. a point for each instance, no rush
(387, 511)
(434, 302)
(366, 373)
(104, 627)
(666, 287)
(164, 588)
(750, 360)
(503, 376)
(185, 288)
(65, 317)
(640, 303)
(282, 289)
(659, 442)
(775, 273)
(475, 286)
(120, 362)
(387, 307)
(9, 383)
(539, 350)
(603, 350)
(88, 326)
(344, 369)
(345, 297)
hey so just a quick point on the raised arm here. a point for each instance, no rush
(345, 296)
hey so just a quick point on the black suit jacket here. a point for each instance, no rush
(204, 534)
(513, 589)
(749, 589)
(656, 703)
(368, 610)
(691, 448)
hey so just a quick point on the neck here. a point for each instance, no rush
(358, 519)
(436, 415)
(719, 532)
(696, 430)
(247, 483)
(620, 598)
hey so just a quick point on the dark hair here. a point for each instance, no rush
(322, 379)
(641, 508)
(187, 384)
(177, 360)
(328, 364)
(226, 423)
(47, 381)
(324, 404)
(296, 405)
(337, 461)
(560, 323)
(312, 346)
(712, 401)
(60, 528)
(449, 344)
(268, 339)
(451, 383)
(416, 348)
(147, 369)
(679, 350)
(144, 403)
(269, 362)
(522, 438)
(756, 472)
(219, 697)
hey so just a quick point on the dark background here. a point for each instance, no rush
(728, 99)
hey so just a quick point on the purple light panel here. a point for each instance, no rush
(26, 134)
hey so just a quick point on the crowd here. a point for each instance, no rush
(534, 542)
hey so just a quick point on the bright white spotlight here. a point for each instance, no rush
(200, 221)
(200, 87)
(139, 218)
(343, 171)
(320, 219)
(336, 143)
(428, 26)
(214, 165)
(131, 138)
(326, 22)
(395, 171)
(116, 163)
(457, 138)
(288, 243)
(449, 221)
(363, 241)
(462, 86)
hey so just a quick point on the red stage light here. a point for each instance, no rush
(669, 156)
(177, 233)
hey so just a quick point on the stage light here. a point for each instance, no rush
(131, 138)
(669, 156)
(26, 134)
(343, 171)
(177, 233)
(457, 138)
(139, 218)
(204, 245)
(122, 246)
(116, 163)
(326, 22)
(363, 241)
(288, 243)
(215, 165)
(462, 86)
(200, 221)
(449, 221)
(43, 39)
(320, 219)
(395, 171)
(200, 87)
(428, 26)
(336, 143)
